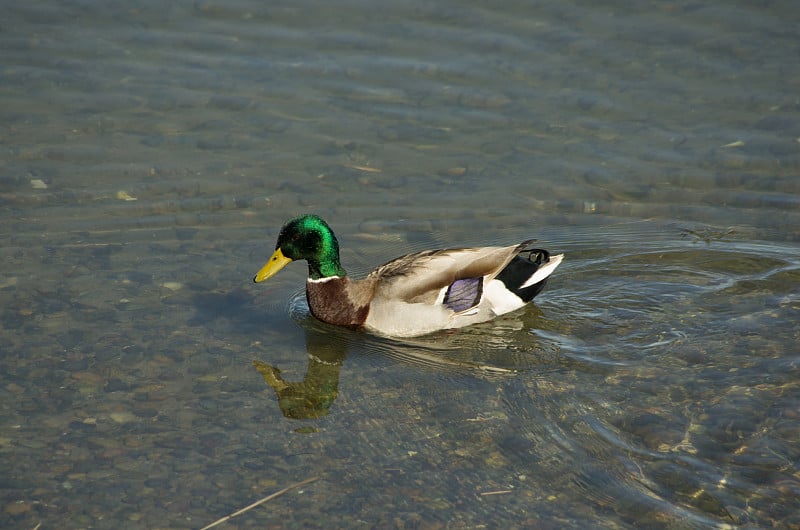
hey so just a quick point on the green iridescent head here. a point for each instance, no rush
(310, 238)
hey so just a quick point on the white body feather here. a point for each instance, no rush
(397, 318)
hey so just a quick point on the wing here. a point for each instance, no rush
(421, 276)
(463, 294)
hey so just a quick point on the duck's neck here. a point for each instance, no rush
(326, 267)
(324, 260)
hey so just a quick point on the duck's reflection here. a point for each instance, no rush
(328, 347)
(313, 396)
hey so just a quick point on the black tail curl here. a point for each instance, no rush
(522, 267)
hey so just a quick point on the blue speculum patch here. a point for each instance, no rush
(463, 294)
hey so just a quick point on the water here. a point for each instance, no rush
(151, 152)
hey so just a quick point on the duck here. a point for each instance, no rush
(415, 294)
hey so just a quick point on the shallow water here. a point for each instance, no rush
(151, 153)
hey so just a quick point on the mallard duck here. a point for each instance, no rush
(414, 294)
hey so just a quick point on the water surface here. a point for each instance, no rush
(151, 153)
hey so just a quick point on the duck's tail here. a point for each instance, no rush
(526, 274)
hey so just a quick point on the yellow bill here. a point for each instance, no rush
(275, 263)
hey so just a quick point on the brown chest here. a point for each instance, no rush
(331, 301)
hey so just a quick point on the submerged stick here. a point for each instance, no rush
(260, 502)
